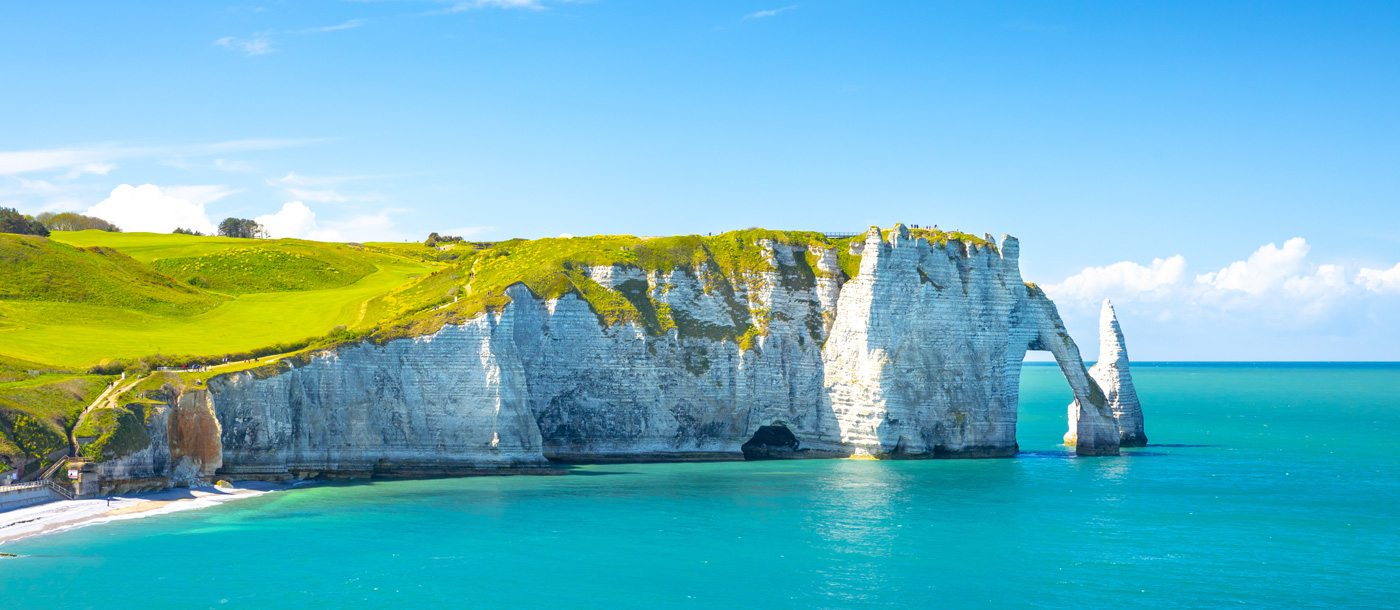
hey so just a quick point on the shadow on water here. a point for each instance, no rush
(578, 471)
(1177, 445)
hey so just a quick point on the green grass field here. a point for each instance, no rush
(143, 312)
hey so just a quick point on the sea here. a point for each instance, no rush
(1267, 485)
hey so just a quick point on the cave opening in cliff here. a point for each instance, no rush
(774, 442)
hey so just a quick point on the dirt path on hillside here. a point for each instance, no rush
(104, 399)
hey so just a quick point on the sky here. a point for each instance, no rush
(1227, 172)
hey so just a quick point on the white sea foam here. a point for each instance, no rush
(70, 514)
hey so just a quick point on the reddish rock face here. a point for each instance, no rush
(194, 433)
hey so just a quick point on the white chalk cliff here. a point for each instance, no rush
(1111, 373)
(918, 355)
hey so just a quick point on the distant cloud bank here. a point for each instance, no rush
(1278, 282)
(149, 208)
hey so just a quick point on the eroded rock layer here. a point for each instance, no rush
(917, 355)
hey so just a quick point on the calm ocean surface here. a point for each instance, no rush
(1271, 486)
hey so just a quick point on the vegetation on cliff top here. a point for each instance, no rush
(552, 268)
(88, 297)
(120, 300)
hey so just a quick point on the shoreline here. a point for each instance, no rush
(65, 515)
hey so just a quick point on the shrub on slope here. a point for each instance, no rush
(39, 269)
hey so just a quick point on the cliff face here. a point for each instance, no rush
(450, 403)
(1111, 373)
(925, 355)
(183, 446)
(918, 355)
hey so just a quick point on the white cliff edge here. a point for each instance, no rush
(919, 355)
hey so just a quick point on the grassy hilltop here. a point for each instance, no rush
(85, 297)
(76, 308)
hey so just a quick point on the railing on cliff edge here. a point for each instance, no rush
(57, 488)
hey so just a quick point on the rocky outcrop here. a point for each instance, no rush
(183, 445)
(1112, 375)
(925, 355)
(918, 355)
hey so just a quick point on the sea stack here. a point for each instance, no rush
(1112, 375)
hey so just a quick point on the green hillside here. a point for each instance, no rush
(81, 298)
(36, 414)
(45, 270)
(270, 267)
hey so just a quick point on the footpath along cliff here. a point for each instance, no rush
(914, 354)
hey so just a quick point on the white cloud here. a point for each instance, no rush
(98, 168)
(1125, 279)
(148, 208)
(353, 23)
(565, 236)
(1278, 285)
(100, 158)
(769, 13)
(1266, 269)
(298, 221)
(1380, 280)
(249, 47)
(295, 179)
(26, 161)
(317, 188)
(260, 43)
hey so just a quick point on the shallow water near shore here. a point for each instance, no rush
(1267, 486)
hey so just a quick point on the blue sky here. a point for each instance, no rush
(1104, 135)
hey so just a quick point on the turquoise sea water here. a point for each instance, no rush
(1271, 486)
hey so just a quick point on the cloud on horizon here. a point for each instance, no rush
(149, 208)
(297, 221)
(1278, 285)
